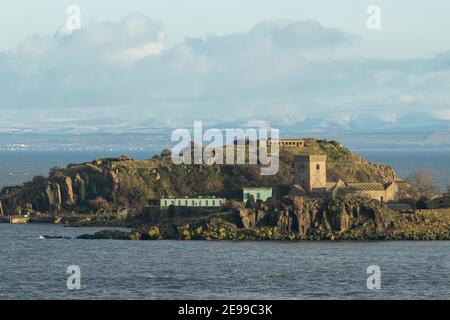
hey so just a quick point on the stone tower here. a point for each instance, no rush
(311, 172)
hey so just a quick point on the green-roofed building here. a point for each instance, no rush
(258, 194)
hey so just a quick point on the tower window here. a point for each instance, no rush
(317, 166)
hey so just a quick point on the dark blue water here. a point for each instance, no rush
(17, 167)
(32, 268)
(406, 162)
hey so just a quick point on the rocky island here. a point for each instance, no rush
(344, 197)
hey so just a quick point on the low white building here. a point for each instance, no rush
(192, 202)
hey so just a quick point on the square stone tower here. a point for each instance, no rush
(311, 172)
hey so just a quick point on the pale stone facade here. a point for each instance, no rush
(378, 191)
(286, 142)
(311, 178)
(311, 172)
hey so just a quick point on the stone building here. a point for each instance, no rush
(311, 172)
(286, 142)
(311, 179)
(383, 192)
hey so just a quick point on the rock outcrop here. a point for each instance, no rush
(303, 219)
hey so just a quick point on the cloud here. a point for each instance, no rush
(444, 114)
(406, 98)
(149, 49)
(292, 68)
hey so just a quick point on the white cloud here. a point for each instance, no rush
(149, 49)
(277, 68)
(443, 114)
(406, 98)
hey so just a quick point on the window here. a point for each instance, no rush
(317, 166)
(185, 202)
(214, 202)
(165, 202)
(258, 196)
(206, 202)
(193, 202)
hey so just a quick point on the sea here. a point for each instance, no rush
(33, 267)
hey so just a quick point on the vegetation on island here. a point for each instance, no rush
(125, 192)
(112, 184)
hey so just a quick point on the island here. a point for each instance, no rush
(322, 191)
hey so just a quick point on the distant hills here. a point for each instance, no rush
(357, 130)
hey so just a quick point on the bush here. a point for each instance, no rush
(424, 184)
(422, 203)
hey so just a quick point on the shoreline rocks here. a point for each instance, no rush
(299, 219)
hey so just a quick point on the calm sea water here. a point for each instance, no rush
(406, 162)
(32, 268)
(17, 167)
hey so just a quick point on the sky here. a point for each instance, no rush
(135, 63)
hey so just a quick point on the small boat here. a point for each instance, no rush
(18, 219)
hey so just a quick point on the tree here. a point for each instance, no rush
(422, 204)
(423, 183)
